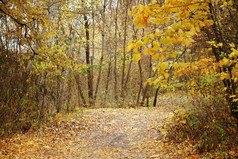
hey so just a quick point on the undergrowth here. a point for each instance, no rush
(208, 124)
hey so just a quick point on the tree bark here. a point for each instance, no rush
(115, 54)
(141, 75)
(141, 84)
(156, 95)
(90, 83)
(124, 52)
(229, 83)
(102, 51)
(80, 93)
(130, 64)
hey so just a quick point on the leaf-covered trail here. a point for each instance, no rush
(100, 133)
(121, 133)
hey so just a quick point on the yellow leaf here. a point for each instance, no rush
(234, 53)
(226, 62)
(150, 81)
(232, 45)
(130, 47)
(191, 32)
(139, 43)
(59, 116)
(220, 44)
(235, 100)
(137, 57)
(193, 84)
(166, 41)
(157, 56)
(47, 147)
(225, 76)
(188, 42)
(149, 51)
(174, 54)
(198, 29)
(156, 45)
(232, 96)
(166, 75)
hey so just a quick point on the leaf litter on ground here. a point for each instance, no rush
(101, 133)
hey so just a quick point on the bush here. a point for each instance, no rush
(206, 122)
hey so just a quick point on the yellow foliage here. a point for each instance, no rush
(157, 56)
(149, 51)
(137, 57)
(235, 100)
(130, 47)
(234, 53)
(225, 76)
(182, 22)
(232, 96)
(150, 81)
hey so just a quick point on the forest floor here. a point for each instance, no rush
(107, 133)
(100, 133)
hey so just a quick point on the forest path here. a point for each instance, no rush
(121, 133)
(98, 133)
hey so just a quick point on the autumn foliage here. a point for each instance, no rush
(60, 56)
(200, 30)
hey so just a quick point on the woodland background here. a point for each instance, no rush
(61, 55)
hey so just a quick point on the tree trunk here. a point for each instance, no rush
(102, 51)
(124, 52)
(115, 54)
(93, 46)
(155, 99)
(130, 64)
(229, 83)
(90, 83)
(145, 93)
(141, 84)
(109, 49)
(80, 93)
(141, 76)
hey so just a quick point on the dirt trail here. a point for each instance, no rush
(121, 133)
(100, 133)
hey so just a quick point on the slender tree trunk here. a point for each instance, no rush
(141, 84)
(124, 51)
(156, 95)
(145, 93)
(93, 46)
(109, 49)
(69, 96)
(115, 54)
(80, 93)
(229, 83)
(58, 94)
(108, 75)
(128, 74)
(102, 51)
(130, 64)
(90, 83)
(141, 76)
(109, 67)
(43, 86)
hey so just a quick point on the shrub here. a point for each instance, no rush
(206, 122)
